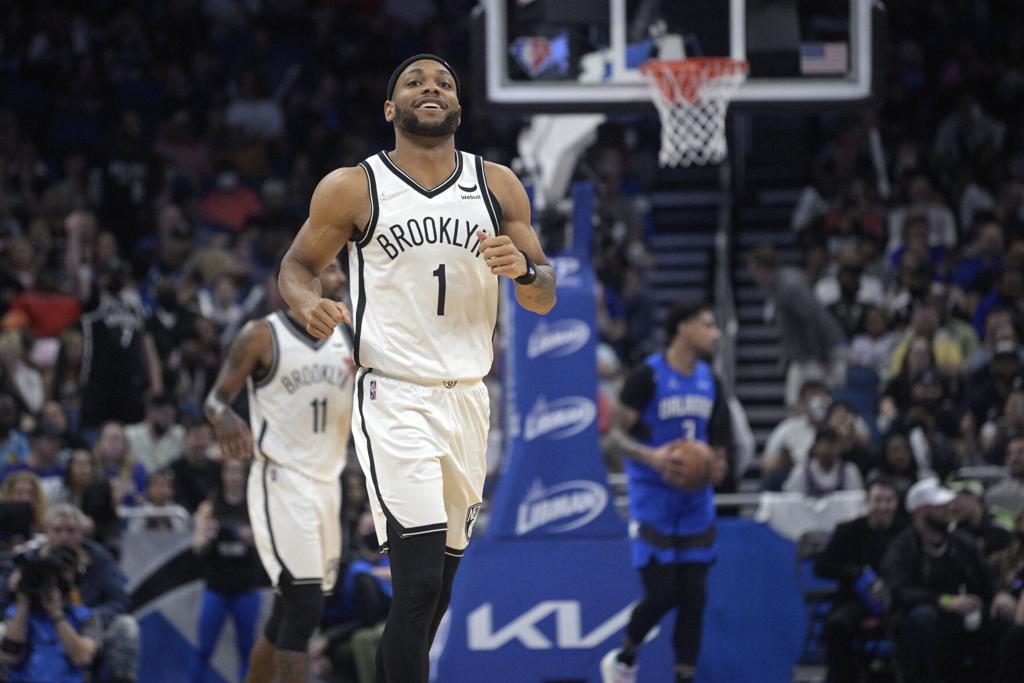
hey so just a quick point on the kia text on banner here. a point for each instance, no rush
(555, 482)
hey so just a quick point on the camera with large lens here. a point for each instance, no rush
(42, 573)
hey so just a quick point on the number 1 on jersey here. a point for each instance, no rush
(439, 274)
(319, 414)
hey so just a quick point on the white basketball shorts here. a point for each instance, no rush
(296, 524)
(423, 450)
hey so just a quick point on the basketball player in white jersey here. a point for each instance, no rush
(300, 409)
(428, 229)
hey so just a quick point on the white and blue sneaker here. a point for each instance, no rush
(614, 671)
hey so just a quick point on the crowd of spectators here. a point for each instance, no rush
(901, 327)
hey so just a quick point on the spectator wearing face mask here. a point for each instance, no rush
(791, 440)
(941, 592)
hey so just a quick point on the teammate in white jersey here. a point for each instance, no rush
(300, 409)
(428, 228)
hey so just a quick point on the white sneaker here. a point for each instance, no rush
(614, 671)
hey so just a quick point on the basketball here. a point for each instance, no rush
(691, 465)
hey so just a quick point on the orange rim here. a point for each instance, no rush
(690, 74)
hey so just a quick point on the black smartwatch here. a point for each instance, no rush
(531, 271)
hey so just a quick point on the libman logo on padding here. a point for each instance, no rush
(557, 339)
(559, 419)
(562, 507)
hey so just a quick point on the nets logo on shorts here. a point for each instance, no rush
(373, 390)
(471, 514)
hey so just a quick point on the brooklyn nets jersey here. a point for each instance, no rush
(301, 410)
(425, 303)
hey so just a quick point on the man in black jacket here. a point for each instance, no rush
(941, 592)
(853, 557)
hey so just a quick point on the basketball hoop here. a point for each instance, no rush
(692, 96)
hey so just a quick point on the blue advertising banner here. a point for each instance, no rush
(554, 482)
(547, 611)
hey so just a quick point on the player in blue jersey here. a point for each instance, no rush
(672, 404)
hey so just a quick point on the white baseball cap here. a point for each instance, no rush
(928, 491)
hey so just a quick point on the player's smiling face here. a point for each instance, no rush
(424, 102)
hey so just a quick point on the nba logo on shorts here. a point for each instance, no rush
(373, 390)
(471, 514)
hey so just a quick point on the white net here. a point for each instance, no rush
(692, 97)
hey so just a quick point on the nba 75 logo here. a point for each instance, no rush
(373, 390)
(471, 514)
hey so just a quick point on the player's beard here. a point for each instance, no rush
(406, 120)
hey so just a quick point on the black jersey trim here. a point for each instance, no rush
(453, 552)
(371, 223)
(487, 195)
(360, 309)
(369, 452)
(400, 174)
(424, 529)
(305, 337)
(266, 378)
(266, 511)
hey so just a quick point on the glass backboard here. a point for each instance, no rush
(584, 55)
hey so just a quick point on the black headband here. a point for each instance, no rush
(415, 58)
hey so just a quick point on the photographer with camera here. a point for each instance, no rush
(49, 637)
(101, 585)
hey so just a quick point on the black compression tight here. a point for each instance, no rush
(669, 586)
(422, 577)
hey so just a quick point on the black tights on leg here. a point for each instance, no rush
(417, 575)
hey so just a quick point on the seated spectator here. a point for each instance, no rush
(127, 478)
(824, 472)
(18, 377)
(971, 517)
(874, 342)
(853, 557)
(988, 389)
(926, 323)
(854, 436)
(913, 283)
(1006, 498)
(791, 440)
(24, 487)
(157, 441)
(897, 464)
(42, 461)
(916, 240)
(983, 257)
(101, 585)
(1008, 604)
(196, 475)
(48, 636)
(1008, 292)
(354, 613)
(166, 515)
(996, 434)
(848, 292)
(924, 201)
(923, 423)
(14, 447)
(223, 541)
(80, 474)
(896, 395)
(941, 591)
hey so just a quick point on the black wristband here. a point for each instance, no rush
(531, 271)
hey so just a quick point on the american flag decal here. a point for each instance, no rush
(824, 59)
